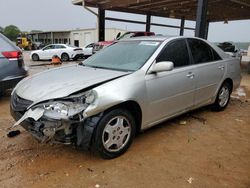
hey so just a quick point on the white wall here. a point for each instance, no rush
(60, 37)
(87, 36)
(83, 36)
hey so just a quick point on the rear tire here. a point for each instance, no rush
(35, 57)
(223, 97)
(65, 57)
(114, 134)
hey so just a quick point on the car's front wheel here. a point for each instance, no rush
(114, 133)
(223, 97)
(35, 57)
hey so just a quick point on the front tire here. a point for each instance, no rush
(35, 57)
(223, 97)
(114, 134)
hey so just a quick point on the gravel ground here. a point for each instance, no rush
(200, 149)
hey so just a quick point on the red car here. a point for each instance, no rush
(103, 44)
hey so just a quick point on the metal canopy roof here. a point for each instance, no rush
(218, 10)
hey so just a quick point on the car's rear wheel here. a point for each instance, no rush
(35, 57)
(223, 97)
(65, 57)
(114, 133)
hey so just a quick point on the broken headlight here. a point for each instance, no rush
(72, 105)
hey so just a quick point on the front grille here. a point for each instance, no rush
(19, 104)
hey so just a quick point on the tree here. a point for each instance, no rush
(11, 32)
(1, 29)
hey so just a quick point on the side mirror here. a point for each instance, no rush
(162, 67)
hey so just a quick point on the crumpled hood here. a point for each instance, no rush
(61, 82)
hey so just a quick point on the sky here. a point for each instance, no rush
(63, 15)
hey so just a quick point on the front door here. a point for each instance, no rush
(171, 92)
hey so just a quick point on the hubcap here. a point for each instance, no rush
(224, 96)
(64, 57)
(116, 134)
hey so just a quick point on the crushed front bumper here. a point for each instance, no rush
(48, 130)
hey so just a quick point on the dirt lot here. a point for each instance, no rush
(208, 149)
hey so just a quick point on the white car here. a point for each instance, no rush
(65, 52)
(88, 50)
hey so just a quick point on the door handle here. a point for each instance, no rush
(221, 67)
(190, 75)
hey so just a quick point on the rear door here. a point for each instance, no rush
(171, 92)
(210, 70)
(88, 49)
(46, 52)
(58, 50)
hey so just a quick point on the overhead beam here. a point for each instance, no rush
(141, 22)
(241, 3)
(163, 4)
(123, 20)
(219, 10)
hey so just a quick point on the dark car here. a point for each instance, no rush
(230, 49)
(12, 68)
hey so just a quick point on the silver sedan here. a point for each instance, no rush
(128, 87)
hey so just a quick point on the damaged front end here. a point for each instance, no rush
(58, 120)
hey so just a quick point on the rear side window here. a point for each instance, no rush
(50, 47)
(176, 52)
(202, 52)
(59, 46)
(90, 46)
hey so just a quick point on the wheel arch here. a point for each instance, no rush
(134, 108)
(230, 82)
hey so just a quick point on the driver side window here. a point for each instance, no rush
(90, 45)
(177, 52)
(49, 47)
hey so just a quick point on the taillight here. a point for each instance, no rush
(12, 55)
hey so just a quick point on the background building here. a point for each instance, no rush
(78, 37)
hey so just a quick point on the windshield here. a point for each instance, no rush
(124, 56)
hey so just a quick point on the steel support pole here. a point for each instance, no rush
(201, 18)
(207, 29)
(148, 23)
(101, 24)
(182, 26)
